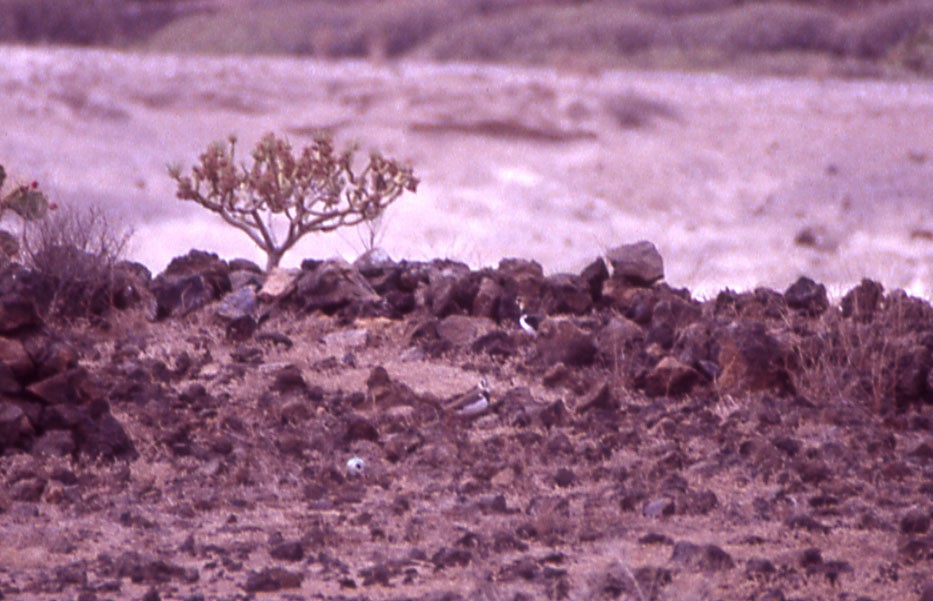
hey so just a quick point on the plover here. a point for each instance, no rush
(529, 323)
(472, 402)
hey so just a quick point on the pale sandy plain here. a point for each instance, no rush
(720, 171)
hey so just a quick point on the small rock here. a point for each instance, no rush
(17, 313)
(238, 304)
(753, 359)
(567, 293)
(638, 264)
(561, 341)
(926, 593)
(599, 397)
(288, 551)
(289, 379)
(462, 331)
(271, 579)
(862, 302)
(701, 558)
(670, 377)
(488, 298)
(360, 428)
(806, 296)
(13, 355)
(15, 427)
(594, 275)
(564, 477)
(55, 443)
(656, 538)
(662, 507)
(915, 522)
(758, 566)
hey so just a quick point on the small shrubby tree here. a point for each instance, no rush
(314, 191)
(29, 203)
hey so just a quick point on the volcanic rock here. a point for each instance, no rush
(669, 377)
(862, 302)
(753, 359)
(331, 285)
(189, 283)
(807, 296)
(488, 298)
(638, 264)
(701, 558)
(560, 341)
(567, 293)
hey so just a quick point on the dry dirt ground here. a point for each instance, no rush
(739, 180)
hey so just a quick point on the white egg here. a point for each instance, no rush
(355, 466)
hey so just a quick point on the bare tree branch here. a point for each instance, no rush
(313, 191)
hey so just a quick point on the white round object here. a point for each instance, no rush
(355, 466)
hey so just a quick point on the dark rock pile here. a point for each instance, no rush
(48, 402)
(743, 440)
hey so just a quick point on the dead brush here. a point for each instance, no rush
(850, 361)
(73, 253)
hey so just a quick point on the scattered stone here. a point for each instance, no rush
(638, 264)
(55, 443)
(240, 303)
(759, 566)
(862, 302)
(462, 331)
(926, 593)
(488, 298)
(669, 377)
(564, 477)
(594, 275)
(658, 508)
(289, 379)
(329, 286)
(360, 428)
(915, 521)
(655, 538)
(561, 341)
(270, 580)
(17, 313)
(752, 359)
(567, 293)
(288, 551)
(701, 558)
(15, 428)
(14, 356)
(279, 284)
(806, 296)
(599, 397)
(806, 522)
(618, 338)
(189, 283)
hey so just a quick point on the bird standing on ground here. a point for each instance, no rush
(473, 402)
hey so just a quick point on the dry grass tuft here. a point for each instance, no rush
(74, 252)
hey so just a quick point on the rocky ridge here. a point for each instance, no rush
(638, 443)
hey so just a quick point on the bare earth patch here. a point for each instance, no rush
(740, 180)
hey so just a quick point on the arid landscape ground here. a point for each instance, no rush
(691, 420)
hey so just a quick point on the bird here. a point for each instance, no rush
(471, 403)
(527, 322)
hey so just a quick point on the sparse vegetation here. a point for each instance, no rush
(74, 253)
(283, 196)
(25, 200)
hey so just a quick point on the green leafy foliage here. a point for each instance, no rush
(283, 195)
(27, 201)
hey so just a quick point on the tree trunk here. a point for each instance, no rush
(272, 260)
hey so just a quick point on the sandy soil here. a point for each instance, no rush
(721, 172)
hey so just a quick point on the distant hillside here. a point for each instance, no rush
(868, 37)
